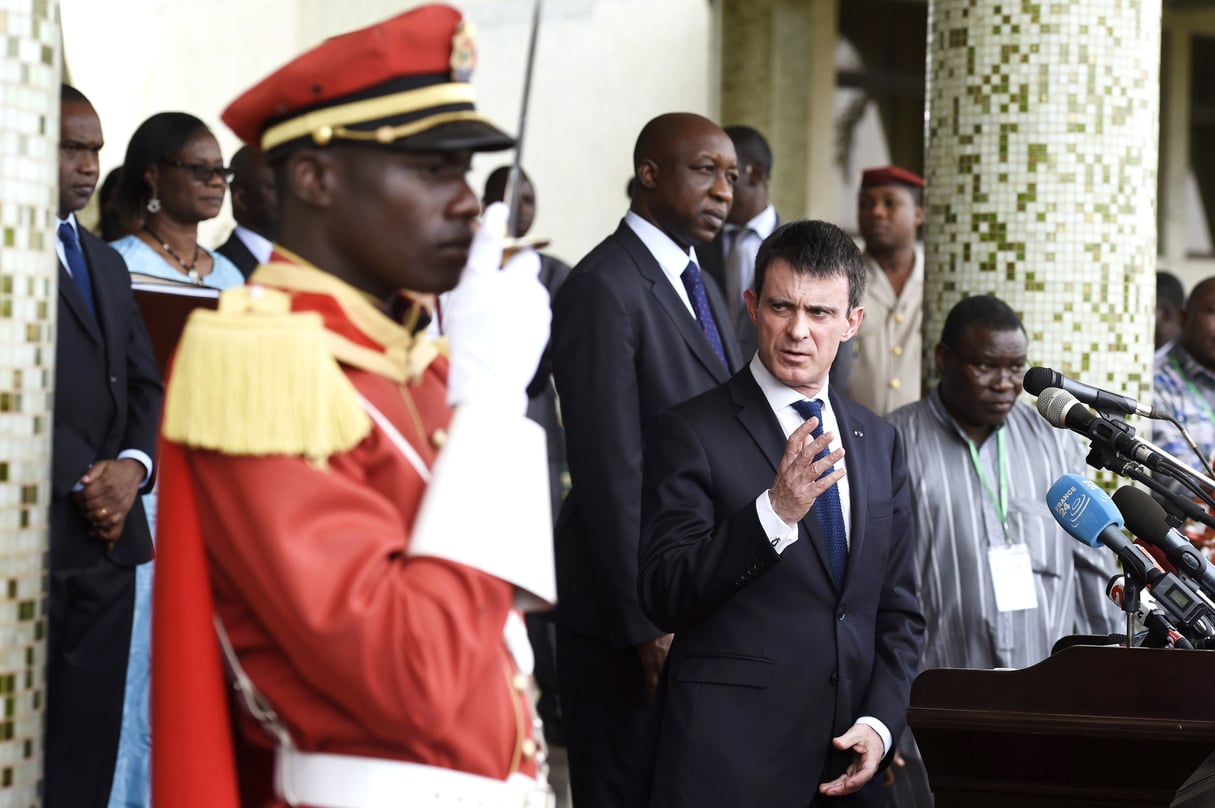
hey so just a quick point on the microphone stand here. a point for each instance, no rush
(1116, 415)
(1206, 464)
(1177, 507)
(1130, 605)
(1103, 455)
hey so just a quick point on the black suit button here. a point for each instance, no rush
(113, 380)
(841, 614)
(835, 679)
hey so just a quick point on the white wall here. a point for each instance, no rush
(604, 67)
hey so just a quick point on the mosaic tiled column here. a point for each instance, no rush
(1041, 176)
(29, 166)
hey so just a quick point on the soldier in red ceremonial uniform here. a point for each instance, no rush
(330, 475)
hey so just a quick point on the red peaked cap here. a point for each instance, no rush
(401, 82)
(890, 175)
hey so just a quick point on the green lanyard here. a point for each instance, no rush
(1001, 501)
(1199, 397)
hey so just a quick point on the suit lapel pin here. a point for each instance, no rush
(858, 433)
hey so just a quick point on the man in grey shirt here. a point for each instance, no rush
(980, 463)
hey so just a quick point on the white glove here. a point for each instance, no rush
(496, 321)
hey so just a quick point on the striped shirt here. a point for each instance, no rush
(957, 522)
(1173, 395)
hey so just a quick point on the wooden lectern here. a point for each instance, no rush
(1087, 727)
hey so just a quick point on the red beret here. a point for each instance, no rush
(890, 175)
(403, 81)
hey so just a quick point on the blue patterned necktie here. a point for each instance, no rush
(77, 268)
(827, 506)
(695, 287)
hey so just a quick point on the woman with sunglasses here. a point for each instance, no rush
(173, 178)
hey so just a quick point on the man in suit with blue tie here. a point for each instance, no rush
(107, 409)
(777, 547)
(636, 329)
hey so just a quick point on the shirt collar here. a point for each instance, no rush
(937, 406)
(666, 252)
(763, 223)
(259, 245)
(360, 333)
(779, 394)
(1189, 365)
(70, 220)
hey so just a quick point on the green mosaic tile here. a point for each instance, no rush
(1036, 168)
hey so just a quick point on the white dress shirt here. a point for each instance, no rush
(666, 252)
(258, 244)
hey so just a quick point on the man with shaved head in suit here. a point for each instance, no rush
(636, 329)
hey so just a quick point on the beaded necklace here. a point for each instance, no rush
(191, 273)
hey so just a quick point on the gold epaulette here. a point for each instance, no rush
(255, 378)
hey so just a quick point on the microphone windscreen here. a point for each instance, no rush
(1144, 516)
(1038, 379)
(1053, 404)
(1082, 508)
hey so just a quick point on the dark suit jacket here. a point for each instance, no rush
(235, 251)
(770, 661)
(712, 259)
(107, 399)
(624, 348)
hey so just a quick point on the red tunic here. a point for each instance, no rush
(360, 648)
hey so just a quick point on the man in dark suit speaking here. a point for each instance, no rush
(636, 329)
(777, 546)
(107, 409)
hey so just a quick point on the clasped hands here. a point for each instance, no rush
(799, 477)
(109, 489)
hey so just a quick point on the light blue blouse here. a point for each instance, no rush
(146, 261)
(131, 786)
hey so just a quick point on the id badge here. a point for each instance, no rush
(1013, 577)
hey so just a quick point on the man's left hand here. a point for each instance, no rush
(110, 488)
(867, 749)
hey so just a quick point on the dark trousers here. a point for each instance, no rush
(608, 720)
(88, 641)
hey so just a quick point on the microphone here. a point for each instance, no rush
(1146, 519)
(1089, 516)
(1149, 615)
(1039, 379)
(1065, 411)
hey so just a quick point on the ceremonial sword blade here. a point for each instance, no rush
(512, 181)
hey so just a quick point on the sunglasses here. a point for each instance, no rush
(203, 172)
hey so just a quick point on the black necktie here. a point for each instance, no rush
(827, 506)
(76, 265)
